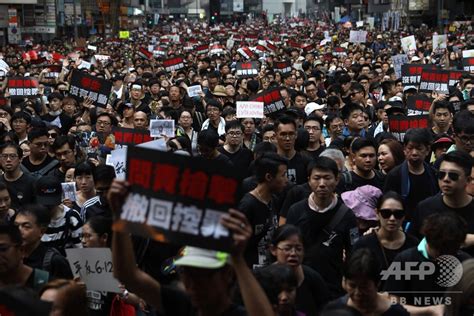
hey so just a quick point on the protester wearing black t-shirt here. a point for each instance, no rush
(365, 160)
(239, 156)
(258, 206)
(453, 176)
(314, 124)
(39, 163)
(314, 215)
(285, 129)
(414, 179)
(208, 140)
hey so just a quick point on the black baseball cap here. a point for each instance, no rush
(48, 191)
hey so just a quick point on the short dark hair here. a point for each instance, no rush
(442, 105)
(17, 147)
(284, 120)
(233, 125)
(445, 232)
(209, 138)
(284, 232)
(463, 122)
(101, 225)
(268, 163)
(274, 278)
(84, 168)
(104, 173)
(363, 264)
(264, 147)
(37, 133)
(325, 164)
(360, 143)
(390, 195)
(348, 109)
(460, 158)
(41, 213)
(21, 115)
(316, 118)
(62, 140)
(12, 231)
(419, 136)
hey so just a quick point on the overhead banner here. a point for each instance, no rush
(419, 104)
(246, 69)
(173, 64)
(26, 87)
(272, 101)
(179, 199)
(131, 136)
(434, 80)
(284, 67)
(84, 85)
(400, 124)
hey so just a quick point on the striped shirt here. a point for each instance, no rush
(64, 231)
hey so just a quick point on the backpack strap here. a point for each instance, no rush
(40, 278)
(46, 168)
(347, 176)
(48, 258)
(405, 187)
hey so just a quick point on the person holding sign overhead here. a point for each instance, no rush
(206, 274)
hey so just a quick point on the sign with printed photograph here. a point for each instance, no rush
(179, 199)
(158, 128)
(398, 61)
(357, 36)
(194, 91)
(409, 45)
(84, 85)
(69, 191)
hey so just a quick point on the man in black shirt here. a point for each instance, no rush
(239, 156)
(285, 129)
(364, 173)
(64, 148)
(453, 176)
(314, 124)
(38, 162)
(414, 179)
(33, 221)
(328, 226)
(208, 140)
(56, 116)
(259, 206)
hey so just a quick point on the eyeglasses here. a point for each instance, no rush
(287, 135)
(53, 135)
(41, 144)
(386, 213)
(3, 114)
(289, 248)
(103, 123)
(9, 156)
(466, 138)
(453, 176)
(234, 134)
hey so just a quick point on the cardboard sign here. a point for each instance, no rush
(23, 87)
(54, 71)
(178, 198)
(411, 73)
(118, 159)
(158, 128)
(249, 109)
(434, 80)
(246, 69)
(69, 191)
(194, 91)
(95, 268)
(409, 45)
(399, 124)
(173, 64)
(84, 85)
(272, 101)
(124, 34)
(357, 36)
(398, 61)
(131, 136)
(419, 104)
(468, 64)
(440, 43)
(284, 67)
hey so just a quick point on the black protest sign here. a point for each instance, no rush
(84, 85)
(399, 124)
(434, 80)
(419, 104)
(178, 199)
(173, 64)
(411, 73)
(246, 69)
(454, 76)
(468, 64)
(272, 101)
(130, 136)
(53, 71)
(284, 67)
(23, 87)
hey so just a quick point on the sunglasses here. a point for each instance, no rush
(453, 176)
(386, 213)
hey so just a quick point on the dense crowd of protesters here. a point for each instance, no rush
(330, 199)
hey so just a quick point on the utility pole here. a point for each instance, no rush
(74, 18)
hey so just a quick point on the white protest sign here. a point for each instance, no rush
(371, 21)
(468, 53)
(151, 48)
(440, 42)
(95, 268)
(158, 128)
(229, 44)
(158, 144)
(357, 36)
(359, 23)
(94, 48)
(194, 91)
(118, 159)
(4, 65)
(85, 64)
(398, 61)
(69, 191)
(249, 109)
(409, 44)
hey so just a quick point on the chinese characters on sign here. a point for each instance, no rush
(178, 198)
(272, 100)
(84, 85)
(419, 104)
(130, 136)
(399, 124)
(434, 80)
(282, 66)
(246, 69)
(23, 87)
(411, 73)
(173, 64)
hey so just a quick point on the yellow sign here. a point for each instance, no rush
(124, 34)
